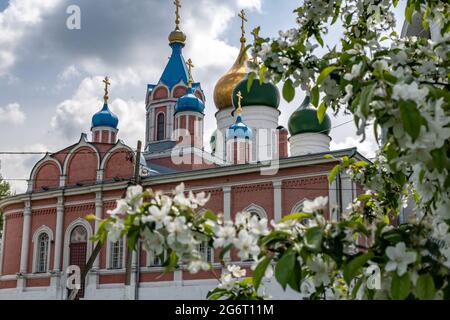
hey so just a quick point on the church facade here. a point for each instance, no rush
(254, 165)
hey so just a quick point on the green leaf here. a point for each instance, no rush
(352, 268)
(425, 288)
(171, 261)
(424, 18)
(259, 272)
(366, 98)
(333, 174)
(324, 74)
(315, 96)
(296, 216)
(440, 158)
(261, 73)
(209, 215)
(284, 268)
(296, 277)
(251, 77)
(400, 286)
(411, 118)
(409, 12)
(225, 250)
(313, 238)
(321, 111)
(288, 90)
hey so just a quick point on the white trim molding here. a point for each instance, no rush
(254, 208)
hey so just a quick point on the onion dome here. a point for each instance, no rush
(177, 36)
(105, 118)
(224, 87)
(265, 94)
(304, 120)
(190, 102)
(239, 130)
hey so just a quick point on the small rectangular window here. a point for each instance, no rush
(116, 255)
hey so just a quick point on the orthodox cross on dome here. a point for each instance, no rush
(190, 66)
(107, 83)
(244, 19)
(239, 108)
(177, 4)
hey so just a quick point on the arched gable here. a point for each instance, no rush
(46, 173)
(117, 162)
(160, 92)
(179, 91)
(82, 163)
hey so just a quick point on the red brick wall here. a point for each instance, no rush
(117, 165)
(13, 243)
(38, 282)
(160, 93)
(47, 176)
(179, 91)
(82, 166)
(295, 190)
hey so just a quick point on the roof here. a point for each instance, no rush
(176, 69)
(160, 146)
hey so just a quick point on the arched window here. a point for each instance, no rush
(160, 127)
(42, 253)
(256, 210)
(116, 254)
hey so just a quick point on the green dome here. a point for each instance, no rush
(265, 94)
(304, 120)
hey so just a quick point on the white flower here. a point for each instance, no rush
(356, 70)
(411, 91)
(321, 271)
(349, 93)
(158, 215)
(179, 232)
(236, 271)
(199, 200)
(195, 266)
(315, 205)
(121, 208)
(246, 244)
(180, 199)
(115, 230)
(399, 258)
(224, 235)
(152, 241)
(258, 226)
(227, 281)
(242, 219)
(307, 287)
(446, 254)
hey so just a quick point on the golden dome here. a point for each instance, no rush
(177, 36)
(224, 87)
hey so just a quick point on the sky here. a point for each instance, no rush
(50, 76)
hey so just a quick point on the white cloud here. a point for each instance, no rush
(12, 113)
(68, 73)
(367, 148)
(73, 116)
(15, 21)
(250, 4)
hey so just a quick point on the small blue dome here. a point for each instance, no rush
(105, 118)
(239, 130)
(190, 102)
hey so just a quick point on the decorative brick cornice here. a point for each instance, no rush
(304, 181)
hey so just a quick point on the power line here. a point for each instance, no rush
(130, 151)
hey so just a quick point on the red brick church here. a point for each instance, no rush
(255, 165)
